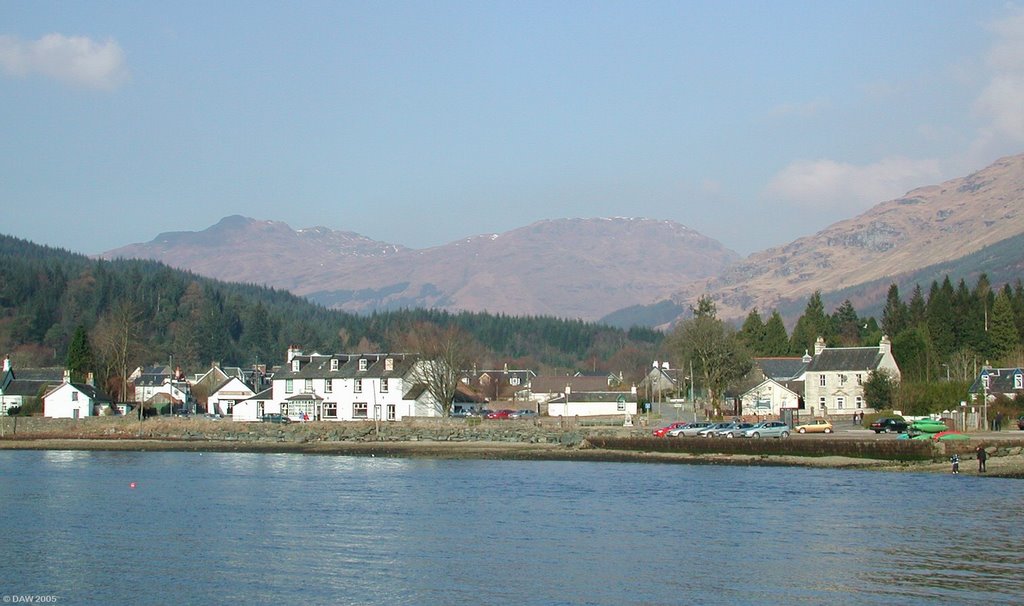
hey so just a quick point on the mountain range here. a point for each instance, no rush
(619, 270)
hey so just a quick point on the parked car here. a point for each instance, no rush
(889, 425)
(1020, 422)
(709, 431)
(523, 414)
(274, 418)
(689, 430)
(504, 413)
(736, 431)
(768, 429)
(818, 425)
(661, 432)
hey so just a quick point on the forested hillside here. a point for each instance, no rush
(143, 312)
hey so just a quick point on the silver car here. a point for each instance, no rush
(709, 432)
(735, 430)
(690, 430)
(768, 429)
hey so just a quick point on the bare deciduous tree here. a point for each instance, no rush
(444, 351)
(116, 335)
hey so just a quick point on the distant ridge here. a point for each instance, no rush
(570, 268)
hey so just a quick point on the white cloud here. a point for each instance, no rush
(75, 60)
(1000, 101)
(827, 184)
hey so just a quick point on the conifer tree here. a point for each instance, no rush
(1002, 332)
(813, 324)
(753, 332)
(894, 316)
(80, 360)
(776, 341)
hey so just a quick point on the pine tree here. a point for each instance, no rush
(940, 319)
(776, 341)
(916, 313)
(894, 316)
(80, 360)
(846, 325)
(1002, 332)
(813, 324)
(753, 332)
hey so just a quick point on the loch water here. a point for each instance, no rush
(221, 528)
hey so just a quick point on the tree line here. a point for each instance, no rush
(59, 308)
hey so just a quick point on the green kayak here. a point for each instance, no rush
(929, 426)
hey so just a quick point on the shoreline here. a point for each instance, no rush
(1000, 467)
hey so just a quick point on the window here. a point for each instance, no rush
(288, 386)
(295, 365)
(330, 410)
(328, 385)
(1018, 381)
(334, 364)
(842, 379)
(74, 396)
(821, 402)
(359, 410)
(358, 386)
(231, 406)
(840, 402)
(362, 365)
(984, 381)
(860, 402)
(513, 381)
(389, 364)
(860, 380)
(391, 412)
(383, 385)
(308, 386)
(821, 380)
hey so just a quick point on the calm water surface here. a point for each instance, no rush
(217, 528)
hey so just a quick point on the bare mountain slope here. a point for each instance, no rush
(582, 268)
(929, 225)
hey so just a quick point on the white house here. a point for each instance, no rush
(253, 409)
(834, 380)
(768, 399)
(351, 387)
(225, 396)
(592, 404)
(73, 401)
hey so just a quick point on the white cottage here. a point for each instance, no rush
(225, 396)
(73, 401)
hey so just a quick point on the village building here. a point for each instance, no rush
(75, 400)
(835, 376)
(351, 387)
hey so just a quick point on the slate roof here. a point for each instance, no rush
(319, 366)
(845, 358)
(782, 369)
(1000, 380)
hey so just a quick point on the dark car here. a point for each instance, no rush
(270, 418)
(1020, 422)
(889, 425)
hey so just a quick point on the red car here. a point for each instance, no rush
(499, 414)
(661, 432)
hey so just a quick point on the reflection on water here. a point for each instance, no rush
(263, 528)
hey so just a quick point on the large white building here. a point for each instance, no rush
(834, 380)
(346, 387)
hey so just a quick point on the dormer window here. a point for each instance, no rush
(984, 381)
(334, 364)
(1018, 381)
(389, 364)
(295, 366)
(362, 365)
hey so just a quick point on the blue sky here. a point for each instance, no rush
(420, 123)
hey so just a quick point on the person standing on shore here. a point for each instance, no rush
(982, 457)
(955, 460)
